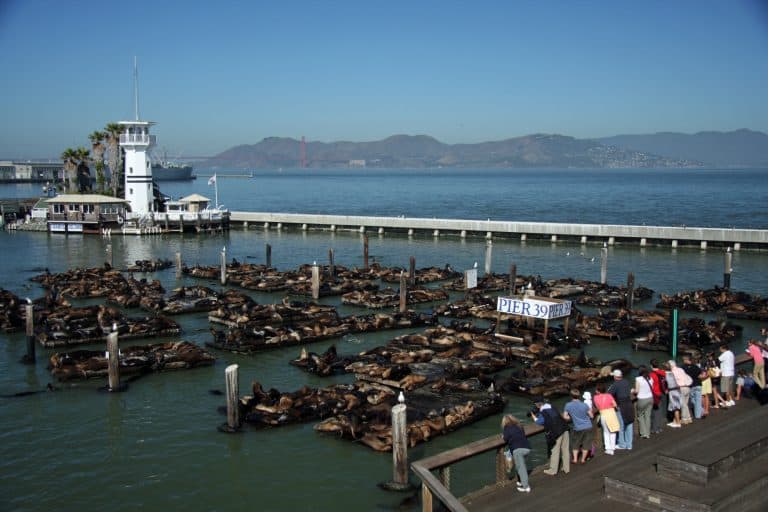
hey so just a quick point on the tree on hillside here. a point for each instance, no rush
(69, 157)
(114, 158)
(98, 149)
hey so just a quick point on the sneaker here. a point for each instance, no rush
(675, 425)
(519, 485)
(620, 448)
(524, 489)
(609, 452)
(730, 403)
(550, 473)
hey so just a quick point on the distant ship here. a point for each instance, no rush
(170, 171)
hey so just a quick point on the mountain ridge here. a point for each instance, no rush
(663, 149)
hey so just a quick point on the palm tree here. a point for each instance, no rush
(83, 156)
(69, 156)
(98, 149)
(114, 159)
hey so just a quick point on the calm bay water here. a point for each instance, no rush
(156, 446)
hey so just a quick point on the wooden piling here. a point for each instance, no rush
(29, 311)
(412, 271)
(178, 265)
(113, 362)
(315, 281)
(604, 264)
(512, 279)
(233, 397)
(268, 250)
(399, 445)
(403, 293)
(224, 266)
(108, 257)
(728, 269)
(630, 291)
(365, 252)
(488, 256)
(331, 267)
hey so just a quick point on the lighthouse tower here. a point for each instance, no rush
(136, 141)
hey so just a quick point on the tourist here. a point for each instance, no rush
(727, 374)
(673, 398)
(580, 414)
(743, 384)
(695, 373)
(758, 372)
(609, 419)
(684, 388)
(621, 391)
(659, 381)
(706, 388)
(597, 440)
(644, 393)
(519, 448)
(556, 434)
(713, 368)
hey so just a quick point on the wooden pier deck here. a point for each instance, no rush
(715, 464)
(673, 236)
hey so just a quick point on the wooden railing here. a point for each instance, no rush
(432, 486)
(440, 487)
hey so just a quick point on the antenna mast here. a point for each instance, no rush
(136, 87)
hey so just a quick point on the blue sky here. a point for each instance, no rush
(218, 74)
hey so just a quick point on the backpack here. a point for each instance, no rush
(662, 378)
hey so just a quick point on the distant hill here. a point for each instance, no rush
(422, 151)
(740, 148)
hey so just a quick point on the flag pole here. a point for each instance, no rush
(216, 189)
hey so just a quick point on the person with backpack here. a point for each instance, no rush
(659, 386)
(556, 434)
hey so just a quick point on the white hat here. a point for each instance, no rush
(617, 373)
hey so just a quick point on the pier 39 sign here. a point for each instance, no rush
(535, 308)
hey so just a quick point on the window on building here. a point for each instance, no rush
(131, 191)
(130, 170)
(58, 208)
(73, 208)
(87, 208)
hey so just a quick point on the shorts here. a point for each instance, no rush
(726, 384)
(581, 438)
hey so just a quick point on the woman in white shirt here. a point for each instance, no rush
(643, 391)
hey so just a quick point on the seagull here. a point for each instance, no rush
(568, 253)
(29, 301)
(401, 398)
(593, 259)
(114, 326)
(475, 265)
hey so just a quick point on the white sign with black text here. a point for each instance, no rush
(534, 308)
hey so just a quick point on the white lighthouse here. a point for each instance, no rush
(136, 141)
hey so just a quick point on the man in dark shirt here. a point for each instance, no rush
(694, 372)
(622, 393)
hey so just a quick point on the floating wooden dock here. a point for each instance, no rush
(610, 234)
